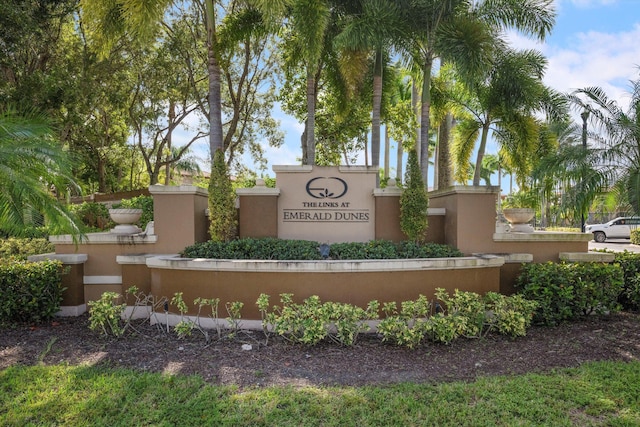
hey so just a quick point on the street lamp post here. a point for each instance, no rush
(584, 115)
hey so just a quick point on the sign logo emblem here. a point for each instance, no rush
(326, 187)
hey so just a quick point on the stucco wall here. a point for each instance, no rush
(352, 283)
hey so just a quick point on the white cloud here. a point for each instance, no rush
(591, 3)
(606, 60)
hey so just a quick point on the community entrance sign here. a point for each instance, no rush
(326, 204)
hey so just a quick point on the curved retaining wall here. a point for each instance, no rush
(353, 282)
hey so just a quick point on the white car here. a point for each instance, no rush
(619, 228)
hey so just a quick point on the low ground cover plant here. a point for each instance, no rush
(282, 249)
(463, 314)
(311, 321)
(30, 292)
(567, 291)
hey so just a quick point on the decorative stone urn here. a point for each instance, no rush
(519, 219)
(125, 220)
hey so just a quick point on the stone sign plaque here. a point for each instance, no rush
(326, 204)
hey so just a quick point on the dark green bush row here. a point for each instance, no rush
(21, 248)
(280, 249)
(29, 291)
(384, 249)
(566, 291)
(630, 264)
(267, 248)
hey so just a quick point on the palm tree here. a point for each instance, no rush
(31, 166)
(505, 101)
(616, 139)
(373, 25)
(465, 33)
(400, 119)
(309, 21)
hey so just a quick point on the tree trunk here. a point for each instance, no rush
(311, 117)
(375, 115)
(386, 151)
(444, 152)
(102, 180)
(425, 121)
(215, 97)
(400, 152)
(303, 144)
(436, 155)
(172, 117)
(481, 149)
(366, 150)
(416, 110)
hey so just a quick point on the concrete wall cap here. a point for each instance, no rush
(388, 191)
(178, 189)
(64, 258)
(292, 168)
(105, 239)
(511, 258)
(258, 191)
(464, 189)
(329, 266)
(357, 169)
(586, 256)
(139, 259)
(542, 236)
(436, 211)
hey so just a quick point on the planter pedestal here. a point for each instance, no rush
(125, 218)
(519, 219)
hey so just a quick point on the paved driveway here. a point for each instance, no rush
(615, 245)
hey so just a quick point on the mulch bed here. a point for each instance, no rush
(369, 362)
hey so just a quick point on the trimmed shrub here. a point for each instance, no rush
(374, 249)
(408, 249)
(222, 201)
(282, 249)
(630, 264)
(566, 291)
(414, 202)
(635, 237)
(249, 248)
(18, 248)
(30, 292)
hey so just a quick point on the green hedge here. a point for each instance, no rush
(249, 248)
(566, 291)
(635, 237)
(384, 249)
(630, 264)
(18, 248)
(30, 292)
(281, 249)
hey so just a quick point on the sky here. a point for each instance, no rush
(593, 43)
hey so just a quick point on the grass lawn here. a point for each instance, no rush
(601, 393)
